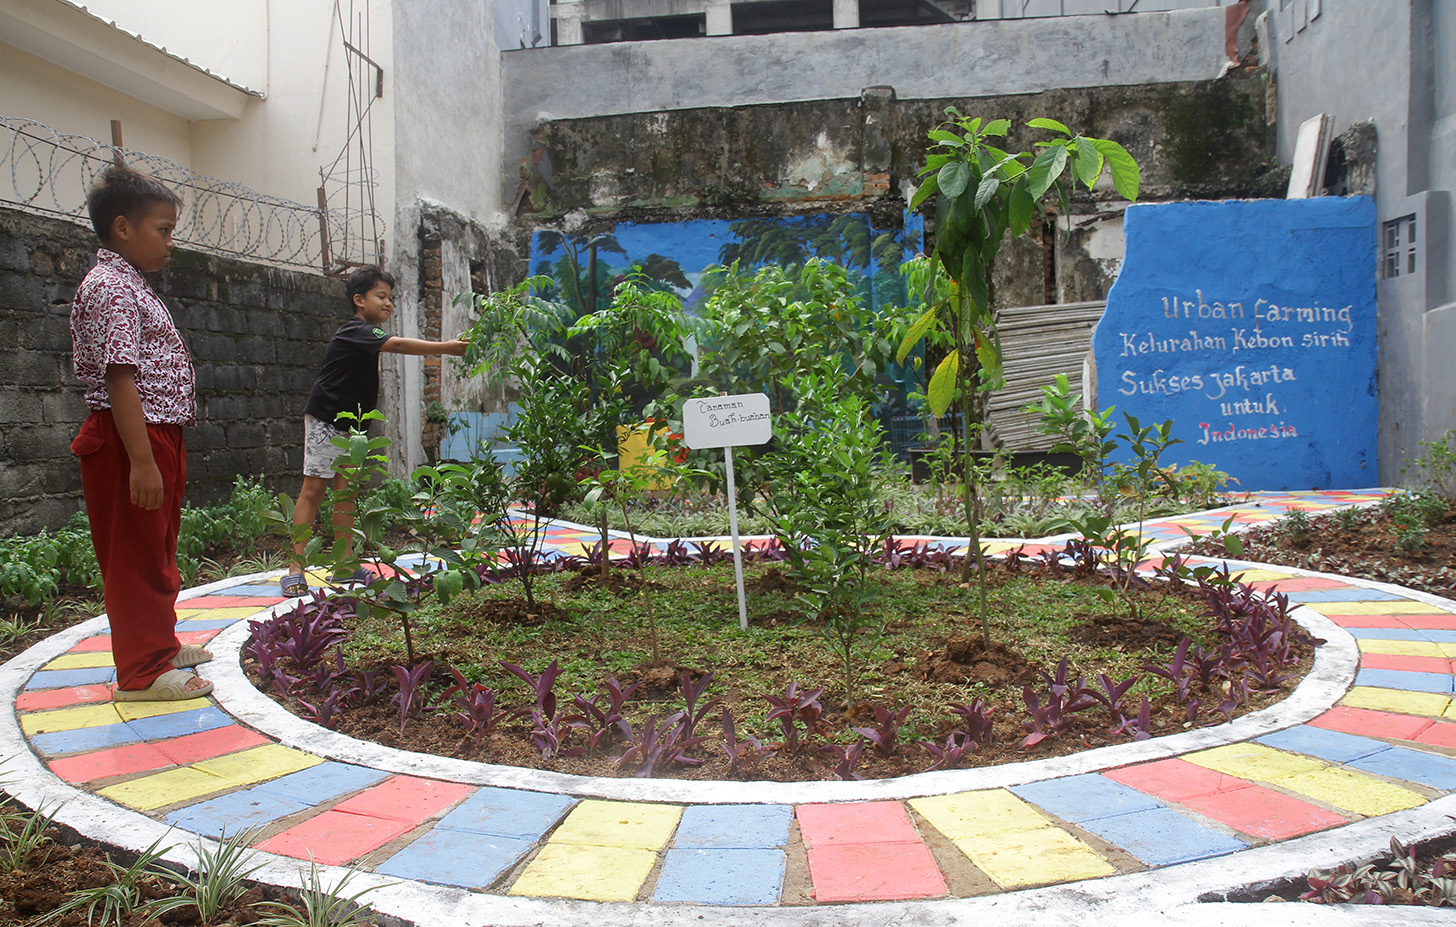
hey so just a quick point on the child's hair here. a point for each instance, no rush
(123, 191)
(365, 279)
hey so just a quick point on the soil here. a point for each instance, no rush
(952, 663)
(1364, 547)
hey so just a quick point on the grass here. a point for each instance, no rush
(597, 634)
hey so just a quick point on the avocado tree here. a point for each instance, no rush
(981, 193)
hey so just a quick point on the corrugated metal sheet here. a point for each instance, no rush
(1037, 343)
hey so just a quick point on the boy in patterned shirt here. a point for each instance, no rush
(140, 392)
(348, 381)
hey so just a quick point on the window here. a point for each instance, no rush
(1398, 247)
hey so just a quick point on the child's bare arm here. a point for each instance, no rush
(419, 346)
(131, 424)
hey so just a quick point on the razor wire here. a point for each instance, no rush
(51, 172)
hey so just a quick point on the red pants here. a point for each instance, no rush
(136, 548)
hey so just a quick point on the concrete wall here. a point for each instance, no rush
(253, 373)
(447, 156)
(968, 59)
(1405, 85)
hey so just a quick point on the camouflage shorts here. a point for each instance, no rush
(319, 451)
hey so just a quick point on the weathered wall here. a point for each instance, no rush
(1198, 140)
(256, 335)
(964, 59)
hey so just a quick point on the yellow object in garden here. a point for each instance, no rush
(643, 445)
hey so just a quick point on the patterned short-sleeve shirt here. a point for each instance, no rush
(116, 318)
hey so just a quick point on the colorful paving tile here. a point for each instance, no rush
(1387, 746)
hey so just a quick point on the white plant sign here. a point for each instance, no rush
(725, 421)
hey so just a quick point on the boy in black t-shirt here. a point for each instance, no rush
(348, 381)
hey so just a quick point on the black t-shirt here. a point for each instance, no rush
(348, 381)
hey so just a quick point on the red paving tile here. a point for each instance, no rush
(208, 744)
(97, 644)
(1366, 621)
(1392, 661)
(1439, 734)
(856, 823)
(1176, 780)
(334, 837)
(196, 637)
(874, 872)
(1265, 813)
(1366, 722)
(1300, 584)
(116, 761)
(1441, 622)
(62, 698)
(407, 799)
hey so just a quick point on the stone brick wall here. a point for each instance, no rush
(256, 334)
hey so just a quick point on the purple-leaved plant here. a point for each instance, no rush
(794, 708)
(412, 696)
(885, 735)
(659, 739)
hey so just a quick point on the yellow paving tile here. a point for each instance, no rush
(69, 719)
(266, 762)
(619, 824)
(130, 711)
(1348, 790)
(1255, 761)
(1042, 856)
(1382, 607)
(217, 614)
(591, 873)
(1447, 650)
(1401, 648)
(1259, 576)
(1430, 704)
(979, 814)
(165, 788)
(81, 660)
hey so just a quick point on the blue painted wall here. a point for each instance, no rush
(1252, 326)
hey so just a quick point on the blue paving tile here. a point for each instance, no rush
(1438, 772)
(86, 738)
(207, 624)
(1334, 746)
(1354, 594)
(1387, 634)
(1163, 837)
(721, 876)
(734, 826)
(1086, 797)
(179, 724)
(507, 813)
(56, 679)
(1440, 637)
(233, 813)
(258, 589)
(455, 857)
(1401, 679)
(322, 782)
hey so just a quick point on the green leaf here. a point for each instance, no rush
(927, 188)
(988, 353)
(941, 390)
(1125, 173)
(954, 177)
(1045, 123)
(947, 138)
(997, 127)
(989, 185)
(1020, 209)
(1089, 163)
(916, 332)
(975, 288)
(1045, 170)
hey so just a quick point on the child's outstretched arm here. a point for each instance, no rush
(126, 411)
(418, 346)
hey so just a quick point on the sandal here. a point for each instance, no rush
(360, 575)
(293, 585)
(171, 686)
(190, 655)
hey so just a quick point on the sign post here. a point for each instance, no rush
(723, 421)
